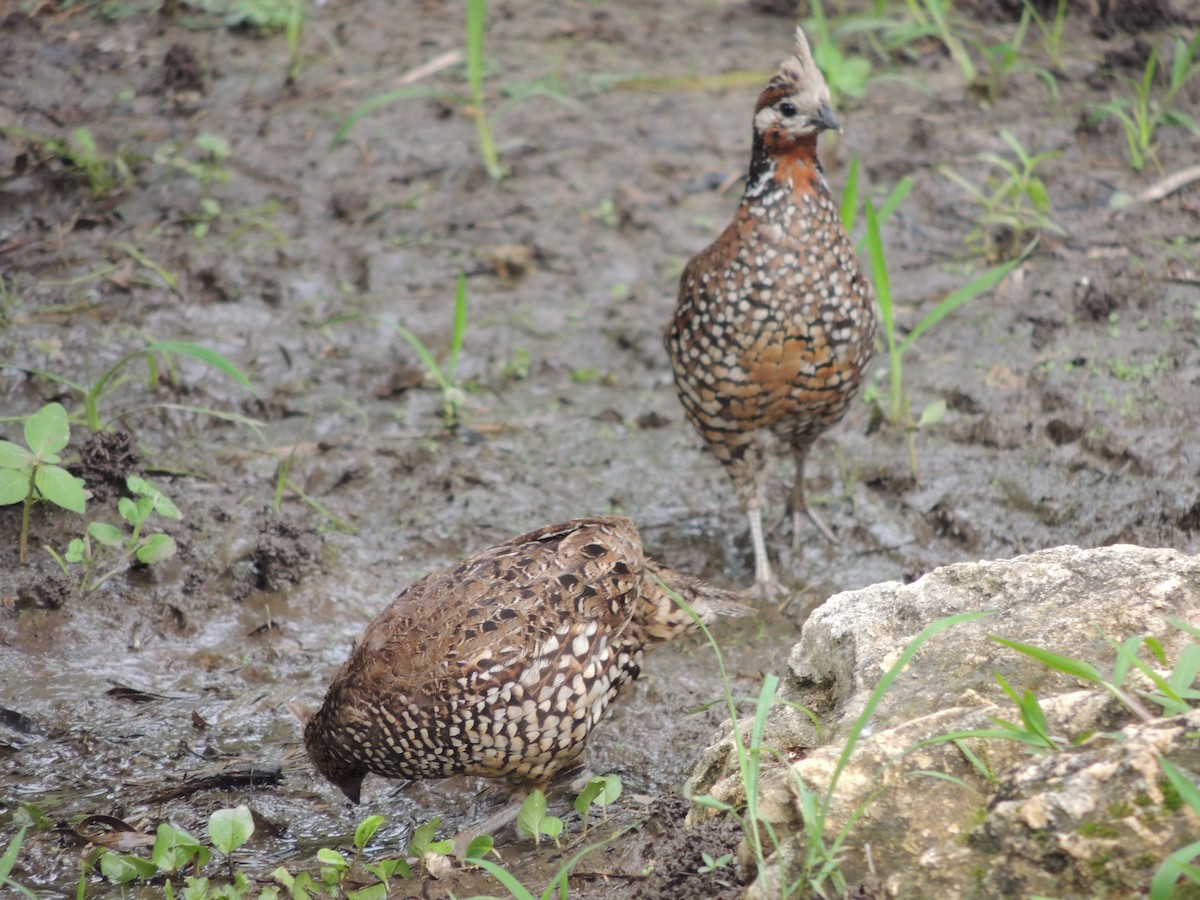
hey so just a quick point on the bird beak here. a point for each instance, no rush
(826, 119)
(352, 788)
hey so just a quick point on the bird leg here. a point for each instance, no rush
(765, 585)
(799, 505)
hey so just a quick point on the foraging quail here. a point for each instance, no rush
(775, 322)
(500, 666)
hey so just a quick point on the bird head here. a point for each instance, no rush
(347, 777)
(796, 102)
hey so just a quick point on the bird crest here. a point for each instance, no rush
(797, 73)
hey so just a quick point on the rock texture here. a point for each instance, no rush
(1093, 818)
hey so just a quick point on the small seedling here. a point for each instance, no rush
(476, 24)
(1052, 32)
(113, 543)
(601, 791)
(80, 151)
(847, 76)
(1004, 59)
(228, 829)
(422, 841)
(710, 864)
(1142, 115)
(1014, 206)
(932, 16)
(294, 28)
(31, 474)
(447, 377)
(899, 411)
(534, 822)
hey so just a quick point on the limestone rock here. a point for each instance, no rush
(1089, 819)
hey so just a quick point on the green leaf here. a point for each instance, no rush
(587, 796)
(441, 848)
(75, 551)
(151, 498)
(108, 535)
(1065, 664)
(332, 858)
(532, 820)
(422, 836)
(61, 488)
(213, 144)
(932, 414)
(47, 430)
(366, 830)
(228, 828)
(14, 456)
(480, 847)
(1038, 195)
(386, 868)
(174, 849)
(14, 486)
(374, 892)
(122, 869)
(156, 548)
(130, 511)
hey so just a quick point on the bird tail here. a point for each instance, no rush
(670, 616)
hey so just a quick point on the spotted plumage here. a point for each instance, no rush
(775, 322)
(500, 666)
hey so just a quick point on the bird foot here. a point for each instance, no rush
(816, 520)
(765, 589)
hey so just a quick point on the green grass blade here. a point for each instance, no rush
(460, 326)
(1188, 790)
(420, 349)
(886, 682)
(205, 355)
(953, 779)
(883, 293)
(1184, 626)
(1161, 887)
(9, 859)
(361, 112)
(894, 198)
(506, 878)
(850, 195)
(984, 282)
(1074, 667)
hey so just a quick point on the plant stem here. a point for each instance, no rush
(28, 505)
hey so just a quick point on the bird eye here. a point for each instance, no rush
(787, 109)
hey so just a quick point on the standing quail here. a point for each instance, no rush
(775, 322)
(500, 666)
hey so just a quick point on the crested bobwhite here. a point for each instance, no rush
(500, 666)
(775, 322)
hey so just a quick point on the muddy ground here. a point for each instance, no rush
(1071, 390)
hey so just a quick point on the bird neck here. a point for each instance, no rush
(793, 162)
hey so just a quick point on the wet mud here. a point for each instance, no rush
(1071, 390)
